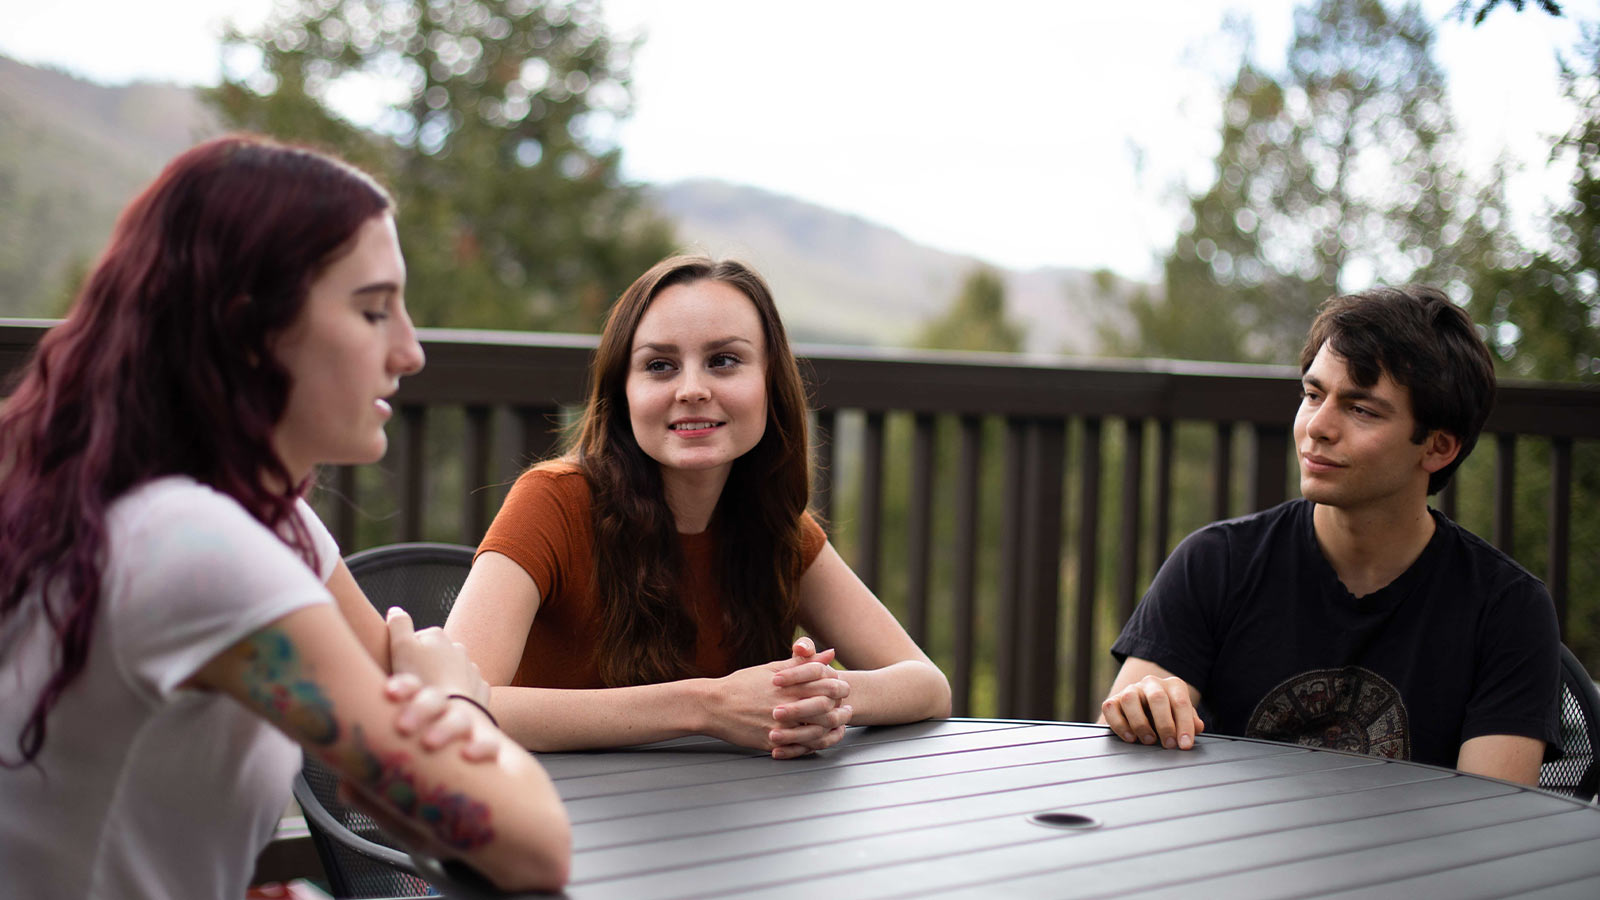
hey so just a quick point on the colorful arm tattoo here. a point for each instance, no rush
(271, 673)
(456, 820)
(271, 676)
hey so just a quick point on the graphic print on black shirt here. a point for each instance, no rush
(1353, 708)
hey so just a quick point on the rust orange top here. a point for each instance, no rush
(544, 526)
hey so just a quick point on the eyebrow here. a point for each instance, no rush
(709, 345)
(380, 287)
(1356, 394)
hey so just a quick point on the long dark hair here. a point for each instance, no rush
(644, 626)
(164, 366)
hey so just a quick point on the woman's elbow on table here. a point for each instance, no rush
(532, 847)
(535, 871)
(946, 703)
(938, 690)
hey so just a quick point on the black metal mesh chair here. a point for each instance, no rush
(1577, 772)
(360, 860)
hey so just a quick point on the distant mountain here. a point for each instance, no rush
(73, 153)
(840, 278)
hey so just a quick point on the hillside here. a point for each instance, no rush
(72, 153)
(841, 278)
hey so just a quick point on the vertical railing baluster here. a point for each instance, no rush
(920, 528)
(1505, 495)
(1040, 593)
(822, 471)
(1560, 524)
(870, 537)
(475, 478)
(965, 572)
(1269, 461)
(413, 418)
(540, 434)
(508, 461)
(1088, 572)
(1445, 500)
(1161, 527)
(1007, 622)
(1222, 472)
(1132, 502)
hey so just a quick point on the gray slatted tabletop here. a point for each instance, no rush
(944, 809)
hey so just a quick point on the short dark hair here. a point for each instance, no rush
(1427, 344)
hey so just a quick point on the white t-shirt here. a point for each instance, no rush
(145, 789)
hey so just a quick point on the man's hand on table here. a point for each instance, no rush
(1150, 705)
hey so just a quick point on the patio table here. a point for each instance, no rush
(968, 808)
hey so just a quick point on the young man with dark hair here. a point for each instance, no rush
(1356, 617)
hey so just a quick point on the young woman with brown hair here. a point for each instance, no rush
(648, 585)
(176, 626)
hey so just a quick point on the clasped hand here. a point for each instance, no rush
(428, 668)
(790, 707)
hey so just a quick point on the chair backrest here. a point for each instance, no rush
(359, 859)
(1577, 772)
(422, 579)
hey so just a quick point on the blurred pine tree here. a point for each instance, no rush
(512, 209)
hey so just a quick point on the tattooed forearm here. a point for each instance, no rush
(269, 668)
(270, 672)
(455, 820)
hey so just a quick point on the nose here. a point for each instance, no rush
(405, 354)
(692, 386)
(1322, 423)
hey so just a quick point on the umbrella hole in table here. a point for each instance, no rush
(1064, 819)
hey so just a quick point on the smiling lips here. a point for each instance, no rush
(693, 427)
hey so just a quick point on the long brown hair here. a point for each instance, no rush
(164, 366)
(645, 628)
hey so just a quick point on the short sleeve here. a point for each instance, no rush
(1517, 680)
(190, 573)
(546, 511)
(812, 540)
(1173, 625)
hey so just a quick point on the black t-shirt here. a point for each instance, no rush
(1464, 643)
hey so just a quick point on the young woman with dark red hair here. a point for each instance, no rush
(649, 584)
(175, 623)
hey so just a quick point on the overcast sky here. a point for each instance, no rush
(1024, 133)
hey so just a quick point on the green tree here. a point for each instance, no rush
(1464, 7)
(977, 318)
(1335, 174)
(1543, 309)
(1219, 281)
(1542, 318)
(513, 210)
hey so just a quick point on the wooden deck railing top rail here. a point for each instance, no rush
(475, 367)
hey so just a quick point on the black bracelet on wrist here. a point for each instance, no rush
(485, 709)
